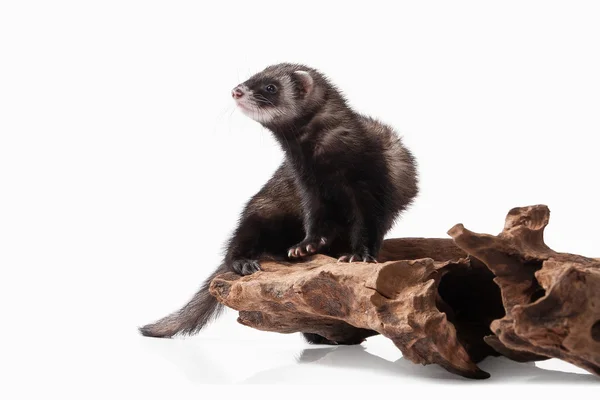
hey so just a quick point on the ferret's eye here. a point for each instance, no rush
(271, 88)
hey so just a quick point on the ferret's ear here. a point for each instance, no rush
(306, 81)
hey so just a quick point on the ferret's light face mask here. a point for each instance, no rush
(266, 98)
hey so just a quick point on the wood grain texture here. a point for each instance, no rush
(450, 302)
(552, 300)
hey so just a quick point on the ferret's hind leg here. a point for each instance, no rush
(270, 223)
(261, 237)
(366, 240)
(374, 216)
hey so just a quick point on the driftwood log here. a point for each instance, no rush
(450, 302)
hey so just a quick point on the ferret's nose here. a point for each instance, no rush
(236, 93)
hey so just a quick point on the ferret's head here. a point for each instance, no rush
(279, 93)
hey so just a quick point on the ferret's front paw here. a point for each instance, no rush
(364, 257)
(245, 267)
(307, 247)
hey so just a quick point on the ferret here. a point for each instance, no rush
(344, 180)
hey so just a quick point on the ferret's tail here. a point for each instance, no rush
(192, 317)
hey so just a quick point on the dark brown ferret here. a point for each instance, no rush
(344, 181)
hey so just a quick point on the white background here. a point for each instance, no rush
(124, 165)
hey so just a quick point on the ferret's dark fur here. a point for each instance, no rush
(345, 179)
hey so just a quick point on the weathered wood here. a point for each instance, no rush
(443, 301)
(415, 248)
(552, 300)
(347, 303)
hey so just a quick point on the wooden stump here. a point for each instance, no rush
(450, 302)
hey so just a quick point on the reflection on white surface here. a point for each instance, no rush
(376, 361)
